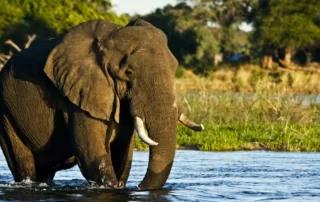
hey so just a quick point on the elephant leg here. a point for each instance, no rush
(45, 174)
(89, 136)
(122, 152)
(5, 150)
(20, 159)
(122, 145)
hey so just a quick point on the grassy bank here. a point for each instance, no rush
(264, 115)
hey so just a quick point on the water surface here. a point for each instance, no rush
(196, 176)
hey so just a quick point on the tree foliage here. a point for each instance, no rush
(197, 32)
(285, 25)
(48, 18)
(190, 39)
(288, 23)
(228, 12)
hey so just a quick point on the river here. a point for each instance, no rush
(196, 176)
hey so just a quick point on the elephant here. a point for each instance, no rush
(79, 98)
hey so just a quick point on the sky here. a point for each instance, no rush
(139, 6)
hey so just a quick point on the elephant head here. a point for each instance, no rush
(97, 64)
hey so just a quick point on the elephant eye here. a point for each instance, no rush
(123, 61)
(129, 72)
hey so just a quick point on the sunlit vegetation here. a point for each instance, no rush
(263, 114)
(251, 78)
(44, 19)
(244, 121)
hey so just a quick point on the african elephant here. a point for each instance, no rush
(77, 99)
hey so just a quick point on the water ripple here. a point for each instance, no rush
(196, 176)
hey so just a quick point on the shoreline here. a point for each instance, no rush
(255, 146)
(196, 148)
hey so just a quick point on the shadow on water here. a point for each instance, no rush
(35, 193)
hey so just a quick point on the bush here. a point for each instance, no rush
(180, 72)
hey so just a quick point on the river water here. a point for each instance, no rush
(196, 176)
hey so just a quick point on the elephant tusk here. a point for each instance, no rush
(190, 124)
(139, 126)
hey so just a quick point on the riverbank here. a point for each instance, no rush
(242, 111)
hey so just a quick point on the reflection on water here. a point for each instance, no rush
(66, 194)
(196, 176)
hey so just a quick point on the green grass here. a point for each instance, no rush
(266, 120)
(276, 137)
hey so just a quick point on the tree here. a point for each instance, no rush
(47, 18)
(286, 24)
(191, 40)
(199, 31)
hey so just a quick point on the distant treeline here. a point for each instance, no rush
(201, 33)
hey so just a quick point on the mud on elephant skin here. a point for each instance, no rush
(78, 99)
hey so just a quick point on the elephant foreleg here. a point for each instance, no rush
(93, 155)
(122, 144)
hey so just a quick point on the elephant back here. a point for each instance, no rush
(28, 64)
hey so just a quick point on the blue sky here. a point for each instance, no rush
(139, 6)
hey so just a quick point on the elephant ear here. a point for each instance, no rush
(74, 66)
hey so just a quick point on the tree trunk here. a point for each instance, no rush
(308, 58)
(267, 61)
(218, 58)
(287, 56)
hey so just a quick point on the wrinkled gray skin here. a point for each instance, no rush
(72, 101)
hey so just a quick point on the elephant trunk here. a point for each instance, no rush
(163, 131)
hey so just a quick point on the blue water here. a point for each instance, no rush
(196, 176)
